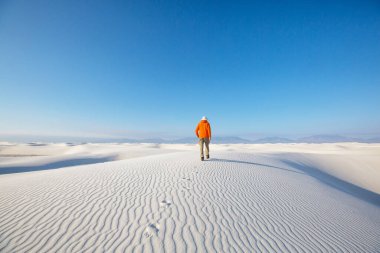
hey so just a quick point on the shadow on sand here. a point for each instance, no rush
(251, 163)
(351, 189)
(54, 165)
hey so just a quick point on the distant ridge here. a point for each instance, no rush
(374, 140)
(317, 139)
(192, 140)
(216, 140)
(327, 139)
(230, 140)
(273, 140)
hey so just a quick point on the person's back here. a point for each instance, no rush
(203, 132)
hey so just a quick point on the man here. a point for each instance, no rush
(203, 132)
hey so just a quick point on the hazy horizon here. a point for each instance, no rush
(89, 138)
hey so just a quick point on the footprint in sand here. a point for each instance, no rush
(165, 203)
(154, 227)
(186, 183)
(151, 230)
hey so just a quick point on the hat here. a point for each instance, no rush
(204, 118)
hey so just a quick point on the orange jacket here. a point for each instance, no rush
(203, 129)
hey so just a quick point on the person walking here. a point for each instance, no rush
(203, 132)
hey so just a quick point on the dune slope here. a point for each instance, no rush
(235, 202)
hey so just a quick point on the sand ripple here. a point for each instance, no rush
(235, 202)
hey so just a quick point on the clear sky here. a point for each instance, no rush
(154, 68)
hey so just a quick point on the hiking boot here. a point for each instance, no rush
(207, 157)
(202, 159)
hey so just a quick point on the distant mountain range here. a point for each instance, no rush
(327, 139)
(230, 140)
(273, 140)
(188, 140)
(335, 138)
(236, 140)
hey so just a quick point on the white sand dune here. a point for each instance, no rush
(15, 158)
(247, 198)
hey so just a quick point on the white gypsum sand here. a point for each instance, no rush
(161, 198)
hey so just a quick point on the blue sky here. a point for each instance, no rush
(154, 68)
